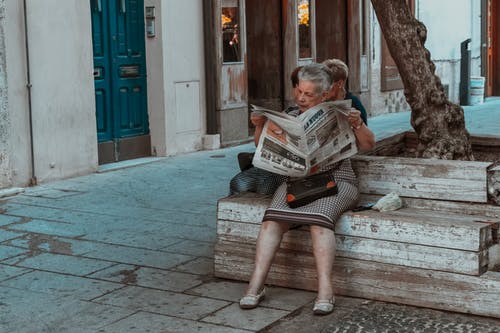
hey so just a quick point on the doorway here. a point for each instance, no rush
(283, 34)
(118, 41)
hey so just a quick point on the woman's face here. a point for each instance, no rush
(307, 95)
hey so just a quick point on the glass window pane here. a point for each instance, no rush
(231, 50)
(303, 20)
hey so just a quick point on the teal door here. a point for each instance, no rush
(120, 79)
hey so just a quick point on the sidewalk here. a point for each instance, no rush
(132, 251)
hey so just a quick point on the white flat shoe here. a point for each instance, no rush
(252, 301)
(323, 307)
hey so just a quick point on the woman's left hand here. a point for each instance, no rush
(354, 118)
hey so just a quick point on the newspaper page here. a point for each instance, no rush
(303, 144)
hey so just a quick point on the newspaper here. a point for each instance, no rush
(318, 137)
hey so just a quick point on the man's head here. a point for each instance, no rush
(340, 71)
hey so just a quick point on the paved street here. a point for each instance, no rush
(131, 250)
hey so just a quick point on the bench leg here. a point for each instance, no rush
(323, 241)
(268, 242)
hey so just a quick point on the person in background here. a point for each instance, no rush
(340, 72)
(314, 87)
(250, 178)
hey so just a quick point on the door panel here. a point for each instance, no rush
(119, 74)
(129, 72)
(102, 79)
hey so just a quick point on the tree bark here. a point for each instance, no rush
(438, 123)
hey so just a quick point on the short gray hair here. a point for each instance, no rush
(319, 74)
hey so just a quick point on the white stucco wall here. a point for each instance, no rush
(63, 105)
(5, 171)
(176, 77)
(449, 23)
(156, 84)
(184, 75)
(19, 137)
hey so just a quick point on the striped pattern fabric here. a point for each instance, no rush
(324, 211)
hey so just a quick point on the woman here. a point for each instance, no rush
(315, 81)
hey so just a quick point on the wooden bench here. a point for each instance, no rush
(441, 250)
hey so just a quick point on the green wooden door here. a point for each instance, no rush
(120, 79)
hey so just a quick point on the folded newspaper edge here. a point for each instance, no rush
(307, 143)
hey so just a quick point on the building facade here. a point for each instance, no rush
(84, 83)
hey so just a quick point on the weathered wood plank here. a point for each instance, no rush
(404, 254)
(481, 210)
(371, 280)
(422, 178)
(407, 225)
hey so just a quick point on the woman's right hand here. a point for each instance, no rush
(258, 120)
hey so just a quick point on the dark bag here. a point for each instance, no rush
(300, 192)
(245, 160)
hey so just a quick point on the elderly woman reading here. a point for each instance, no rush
(315, 83)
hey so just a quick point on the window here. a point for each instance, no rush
(230, 18)
(304, 27)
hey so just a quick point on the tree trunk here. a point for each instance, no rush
(439, 124)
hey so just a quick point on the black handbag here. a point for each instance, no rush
(300, 192)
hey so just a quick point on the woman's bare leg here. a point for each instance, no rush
(268, 243)
(324, 245)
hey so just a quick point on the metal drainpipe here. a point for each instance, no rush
(33, 180)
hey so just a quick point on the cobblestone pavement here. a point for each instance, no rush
(132, 251)
(362, 316)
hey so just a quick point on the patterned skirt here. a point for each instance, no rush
(323, 212)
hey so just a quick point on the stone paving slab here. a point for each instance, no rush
(254, 319)
(59, 263)
(8, 235)
(148, 240)
(61, 285)
(191, 247)
(52, 244)
(7, 219)
(50, 193)
(50, 228)
(136, 256)
(201, 266)
(151, 322)
(27, 311)
(162, 302)
(149, 277)
(278, 298)
(7, 272)
(57, 214)
(9, 252)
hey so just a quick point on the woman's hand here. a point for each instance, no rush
(365, 139)
(276, 131)
(354, 118)
(258, 120)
